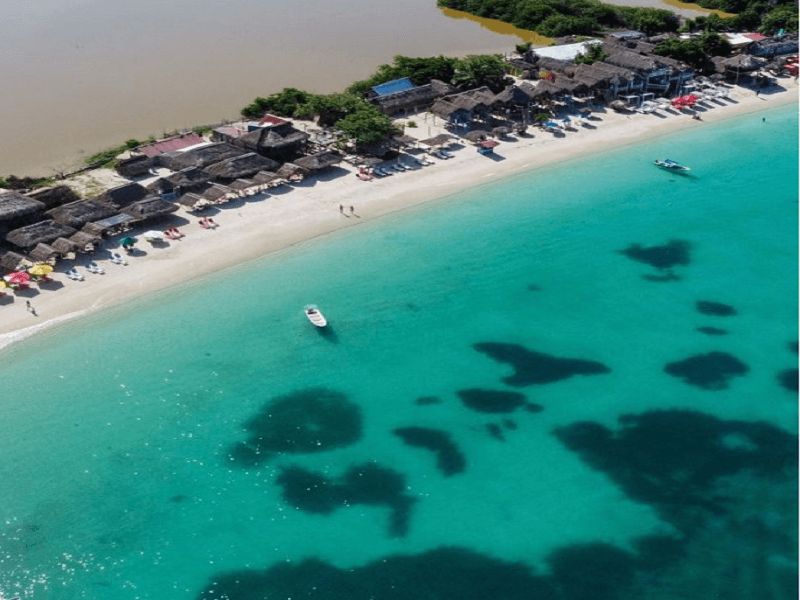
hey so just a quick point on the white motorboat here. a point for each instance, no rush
(315, 315)
(670, 165)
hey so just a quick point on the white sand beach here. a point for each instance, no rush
(262, 224)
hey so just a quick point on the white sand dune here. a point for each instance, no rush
(266, 223)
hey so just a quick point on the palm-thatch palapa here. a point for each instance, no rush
(241, 166)
(438, 140)
(150, 208)
(200, 157)
(41, 232)
(476, 135)
(76, 214)
(291, 171)
(123, 195)
(64, 247)
(319, 161)
(86, 242)
(13, 261)
(43, 253)
(14, 205)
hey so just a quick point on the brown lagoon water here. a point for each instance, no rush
(80, 75)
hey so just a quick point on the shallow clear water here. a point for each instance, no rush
(120, 478)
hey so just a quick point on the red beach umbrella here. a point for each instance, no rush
(18, 277)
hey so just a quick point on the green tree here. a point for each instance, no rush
(781, 17)
(283, 103)
(477, 70)
(365, 126)
(594, 53)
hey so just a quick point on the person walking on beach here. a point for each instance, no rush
(341, 208)
(352, 210)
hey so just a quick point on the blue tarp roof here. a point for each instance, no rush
(394, 86)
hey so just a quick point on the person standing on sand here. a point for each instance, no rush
(352, 210)
(341, 209)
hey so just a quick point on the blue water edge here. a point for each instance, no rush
(575, 383)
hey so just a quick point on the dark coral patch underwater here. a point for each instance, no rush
(537, 368)
(673, 458)
(788, 378)
(712, 331)
(309, 421)
(712, 371)
(491, 401)
(449, 458)
(672, 254)
(369, 484)
(716, 309)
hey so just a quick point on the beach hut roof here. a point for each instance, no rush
(41, 232)
(445, 109)
(149, 208)
(83, 239)
(404, 140)
(744, 62)
(269, 139)
(265, 177)
(76, 214)
(214, 191)
(629, 60)
(190, 201)
(14, 205)
(123, 195)
(12, 261)
(242, 184)
(288, 169)
(516, 94)
(476, 135)
(189, 176)
(201, 156)
(241, 166)
(319, 161)
(63, 246)
(546, 63)
(438, 140)
(43, 253)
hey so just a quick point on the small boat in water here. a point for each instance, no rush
(315, 315)
(670, 165)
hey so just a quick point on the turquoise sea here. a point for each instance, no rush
(575, 383)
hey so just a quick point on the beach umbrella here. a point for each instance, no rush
(153, 236)
(17, 278)
(40, 270)
(475, 136)
(127, 241)
(2, 285)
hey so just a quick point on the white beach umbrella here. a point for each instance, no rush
(153, 236)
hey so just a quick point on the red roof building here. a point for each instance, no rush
(174, 143)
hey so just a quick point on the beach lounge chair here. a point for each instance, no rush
(381, 171)
(117, 259)
(74, 274)
(364, 177)
(93, 267)
(447, 154)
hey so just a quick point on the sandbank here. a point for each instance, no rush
(260, 225)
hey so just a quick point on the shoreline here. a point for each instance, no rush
(257, 226)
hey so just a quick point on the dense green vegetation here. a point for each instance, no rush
(595, 53)
(419, 70)
(105, 158)
(355, 117)
(12, 182)
(695, 52)
(555, 18)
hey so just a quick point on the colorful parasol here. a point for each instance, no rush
(41, 270)
(17, 277)
(127, 241)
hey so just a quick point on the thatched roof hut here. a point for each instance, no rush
(414, 98)
(319, 161)
(14, 205)
(244, 165)
(63, 246)
(149, 208)
(242, 184)
(135, 165)
(54, 196)
(516, 95)
(476, 135)
(43, 253)
(86, 242)
(13, 261)
(743, 63)
(200, 157)
(438, 140)
(555, 65)
(280, 141)
(265, 177)
(41, 232)
(76, 214)
(291, 170)
(123, 195)
(192, 202)
(214, 192)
